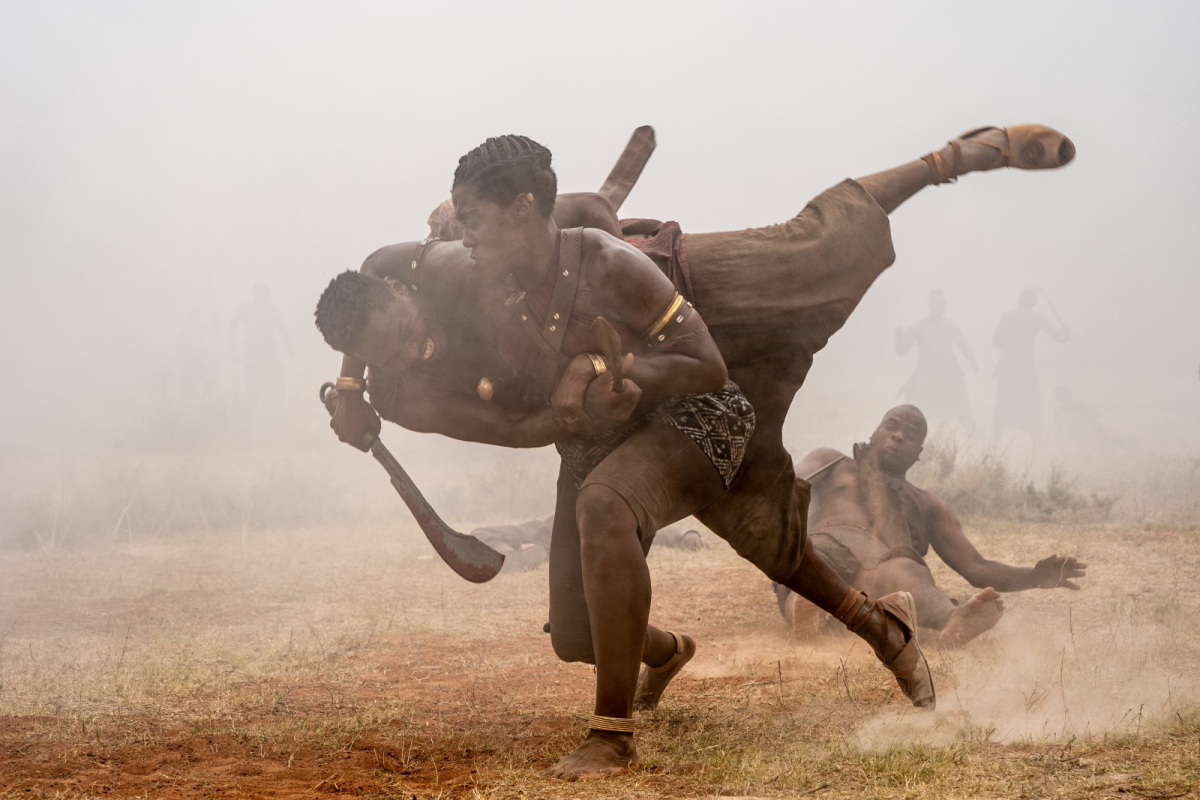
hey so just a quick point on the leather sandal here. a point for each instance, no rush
(652, 681)
(909, 666)
(1029, 146)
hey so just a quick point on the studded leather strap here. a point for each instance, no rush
(566, 286)
(414, 269)
(668, 323)
(550, 333)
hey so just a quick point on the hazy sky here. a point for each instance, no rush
(158, 159)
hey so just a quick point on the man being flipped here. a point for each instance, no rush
(506, 353)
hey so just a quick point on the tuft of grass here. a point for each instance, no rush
(984, 484)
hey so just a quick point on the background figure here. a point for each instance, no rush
(1018, 393)
(937, 385)
(258, 324)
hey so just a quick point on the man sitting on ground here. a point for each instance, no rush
(874, 528)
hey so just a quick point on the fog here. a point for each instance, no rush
(157, 161)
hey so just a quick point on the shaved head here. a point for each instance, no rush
(910, 413)
(899, 439)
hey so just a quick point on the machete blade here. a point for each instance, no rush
(466, 555)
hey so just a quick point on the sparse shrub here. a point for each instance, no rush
(982, 484)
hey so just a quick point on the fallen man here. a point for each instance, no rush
(875, 528)
(454, 354)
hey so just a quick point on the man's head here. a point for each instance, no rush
(375, 321)
(899, 439)
(503, 192)
(1027, 299)
(937, 303)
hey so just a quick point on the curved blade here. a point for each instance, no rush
(466, 555)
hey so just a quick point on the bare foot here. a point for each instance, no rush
(652, 682)
(972, 618)
(602, 754)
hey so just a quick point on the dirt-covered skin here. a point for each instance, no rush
(976, 616)
(842, 498)
(602, 754)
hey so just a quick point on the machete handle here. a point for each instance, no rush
(368, 439)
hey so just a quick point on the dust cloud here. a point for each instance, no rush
(178, 184)
(1039, 679)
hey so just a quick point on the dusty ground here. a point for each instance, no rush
(300, 664)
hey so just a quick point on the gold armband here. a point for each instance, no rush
(597, 363)
(670, 320)
(348, 384)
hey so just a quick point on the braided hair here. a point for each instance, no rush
(505, 166)
(345, 304)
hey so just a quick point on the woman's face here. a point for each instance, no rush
(491, 231)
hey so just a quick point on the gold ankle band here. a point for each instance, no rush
(614, 724)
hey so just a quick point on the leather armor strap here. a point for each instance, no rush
(412, 283)
(550, 333)
(566, 285)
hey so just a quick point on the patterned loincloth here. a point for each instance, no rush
(720, 423)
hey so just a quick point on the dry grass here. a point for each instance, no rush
(294, 665)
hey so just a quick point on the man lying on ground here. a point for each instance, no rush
(875, 528)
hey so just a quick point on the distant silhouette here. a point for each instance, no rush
(936, 384)
(1018, 392)
(259, 324)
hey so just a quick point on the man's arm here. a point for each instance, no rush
(473, 420)
(586, 210)
(949, 542)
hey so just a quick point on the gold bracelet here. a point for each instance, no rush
(348, 384)
(597, 363)
(614, 724)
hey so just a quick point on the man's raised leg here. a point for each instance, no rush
(1020, 147)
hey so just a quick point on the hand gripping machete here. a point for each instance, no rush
(466, 555)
